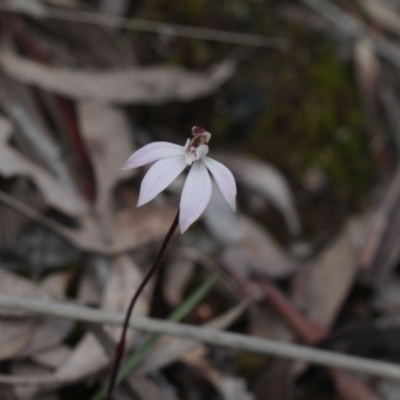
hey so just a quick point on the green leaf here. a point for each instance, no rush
(181, 312)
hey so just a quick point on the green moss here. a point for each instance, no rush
(315, 119)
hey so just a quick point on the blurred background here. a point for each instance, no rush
(302, 100)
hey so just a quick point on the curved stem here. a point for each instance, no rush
(120, 348)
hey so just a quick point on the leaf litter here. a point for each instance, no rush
(68, 102)
(152, 85)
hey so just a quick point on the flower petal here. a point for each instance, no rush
(159, 176)
(195, 195)
(153, 152)
(225, 180)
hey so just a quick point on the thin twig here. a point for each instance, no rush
(206, 335)
(215, 35)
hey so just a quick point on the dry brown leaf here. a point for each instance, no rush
(310, 333)
(19, 286)
(15, 222)
(114, 7)
(381, 252)
(229, 387)
(86, 359)
(15, 285)
(16, 93)
(389, 389)
(49, 334)
(6, 393)
(169, 350)
(391, 105)
(24, 336)
(233, 388)
(32, 7)
(39, 145)
(15, 336)
(89, 290)
(89, 357)
(277, 382)
(265, 323)
(124, 279)
(137, 85)
(325, 283)
(381, 224)
(382, 14)
(165, 352)
(350, 387)
(221, 221)
(53, 358)
(178, 274)
(266, 180)
(367, 71)
(258, 253)
(34, 137)
(13, 163)
(132, 227)
(56, 284)
(147, 389)
(106, 132)
(60, 37)
(27, 368)
(306, 331)
(387, 297)
(40, 249)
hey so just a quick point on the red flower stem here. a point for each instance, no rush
(120, 348)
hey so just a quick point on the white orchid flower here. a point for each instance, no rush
(171, 159)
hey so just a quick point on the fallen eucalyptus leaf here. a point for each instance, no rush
(257, 253)
(135, 85)
(27, 368)
(382, 14)
(52, 358)
(266, 180)
(124, 279)
(13, 163)
(178, 274)
(106, 132)
(323, 285)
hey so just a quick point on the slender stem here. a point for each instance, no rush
(120, 348)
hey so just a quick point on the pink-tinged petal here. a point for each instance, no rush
(159, 176)
(153, 152)
(195, 195)
(224, 179)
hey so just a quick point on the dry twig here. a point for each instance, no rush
(163, 28)
(206, 335)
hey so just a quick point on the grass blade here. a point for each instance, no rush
(181, 312)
